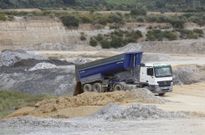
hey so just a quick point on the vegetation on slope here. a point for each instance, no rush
(10, 101)
(154, 5)
(115, 39)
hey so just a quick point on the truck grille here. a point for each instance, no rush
(164, 83)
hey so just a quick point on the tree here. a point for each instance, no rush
(138, 11)
(70, 21)
(69, 2)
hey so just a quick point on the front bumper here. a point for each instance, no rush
(157, 89)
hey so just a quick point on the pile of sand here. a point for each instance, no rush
(90, 100)
(98, 99)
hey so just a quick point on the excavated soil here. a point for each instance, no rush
(86, 103)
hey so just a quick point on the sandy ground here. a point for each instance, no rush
(189, 98)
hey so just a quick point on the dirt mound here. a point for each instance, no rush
(91, 101)
(135, 112)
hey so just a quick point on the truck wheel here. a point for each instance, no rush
(87, 88)
(118, 87)
(161, 94)
(97, 87)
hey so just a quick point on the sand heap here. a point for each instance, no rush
(87, 103)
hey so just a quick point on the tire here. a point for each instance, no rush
(161, 94)
(97, 87)
(87, 87)
(118, 87)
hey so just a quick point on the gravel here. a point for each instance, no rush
(42, 65)
(188, 74)
(135, 112)
(10, 57)
(147, 96)
(35, 121)
(26, 72)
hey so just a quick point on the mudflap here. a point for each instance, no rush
(78, 89)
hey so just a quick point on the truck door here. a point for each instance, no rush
(150, 76)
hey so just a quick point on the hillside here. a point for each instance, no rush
(155, 5)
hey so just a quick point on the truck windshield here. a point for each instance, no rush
(163, 71)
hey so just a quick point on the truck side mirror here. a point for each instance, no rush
(150, 72)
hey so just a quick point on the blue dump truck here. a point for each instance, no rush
(123, 72)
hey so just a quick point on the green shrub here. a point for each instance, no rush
(199, 32)
(105, 44)
(170, 35)
(177, 24)
(82, 36)
(70, 21)
(116, 39)
(138, 11)
(93, 42)
(153, 35)
(116, 42)
(190, 34)
(115, 18)
(11, 100)
(85, 19)
(2, 17)
(99, 37)
(158, 35)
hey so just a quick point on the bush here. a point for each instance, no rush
(159, 35)
(105, 44)
(199, 32)
(10, 101)
(82, 36)
(116, 39)
(170, 35)
(2, 17)
(85, 19)
(191, 34)
(70, 21)
(116, 42)
(93, 42)
(115, 18)
(153, 35)
(177, 24)
(138, 11)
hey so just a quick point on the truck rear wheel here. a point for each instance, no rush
(97, 87)
(161, 94)
(87, 87)
(118, 87)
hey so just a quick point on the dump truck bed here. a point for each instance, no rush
(109, 66)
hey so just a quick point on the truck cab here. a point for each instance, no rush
(157, 77)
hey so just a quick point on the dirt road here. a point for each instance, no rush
(189, 98)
